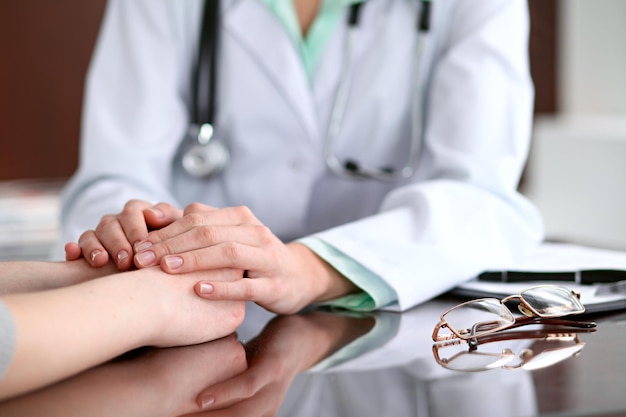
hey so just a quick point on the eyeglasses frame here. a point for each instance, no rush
(532, 316)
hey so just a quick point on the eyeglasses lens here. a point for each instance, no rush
(476, 361)
(552, 301)
(552, 356)
(479, 317)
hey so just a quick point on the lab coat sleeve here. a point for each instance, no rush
(466, 215)
(134, 115)
(376, 293)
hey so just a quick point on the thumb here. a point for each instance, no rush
(161, 215)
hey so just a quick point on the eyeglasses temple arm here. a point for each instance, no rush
(522, 321)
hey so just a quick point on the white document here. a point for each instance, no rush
(560, 257)
(566, 263)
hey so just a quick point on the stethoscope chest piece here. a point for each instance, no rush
(207, 156)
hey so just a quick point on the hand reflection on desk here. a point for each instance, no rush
(249, 379)
(158, 382)
(310, 364)
(287, 346)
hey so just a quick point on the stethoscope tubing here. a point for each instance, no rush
(207, 156)
(350, 168)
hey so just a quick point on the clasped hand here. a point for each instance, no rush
(287, 346)
(280, 277)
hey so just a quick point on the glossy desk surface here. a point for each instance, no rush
(329, 364)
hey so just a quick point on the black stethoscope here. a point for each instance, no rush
(208, 156)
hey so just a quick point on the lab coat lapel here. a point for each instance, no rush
(261, 33)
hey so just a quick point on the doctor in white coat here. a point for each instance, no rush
(454, 126)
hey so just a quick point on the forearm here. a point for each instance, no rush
(21, 277)
(161, 383)
(63, 331)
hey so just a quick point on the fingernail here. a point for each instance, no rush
(145, 258)
(139, 246)
(94, 254)
(173, 262)
(206, 288)
(121, 255)
(207, 401)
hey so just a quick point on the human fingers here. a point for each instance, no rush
(266, 292)
(231, 391)
(161, 215)
(203, 248)
(248, 408)
(72, 251)
(112, 238)
(92, 249)
(120, 233)
(198, 215)
(195, 228)
(198, 208)
(134, 228)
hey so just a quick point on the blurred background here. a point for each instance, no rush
(45, 47)
(577, 170)
(574, 175)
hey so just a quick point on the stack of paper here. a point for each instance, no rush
(29, 218)
(599, 275)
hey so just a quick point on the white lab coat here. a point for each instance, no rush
(458, 215)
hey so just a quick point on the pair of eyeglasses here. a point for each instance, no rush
(546, 347)
(539, 305)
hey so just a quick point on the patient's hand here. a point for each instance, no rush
(180, 316)
(115, 236)
(31, 276)
(159, 383)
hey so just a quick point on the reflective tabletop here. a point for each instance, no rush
(328, 363)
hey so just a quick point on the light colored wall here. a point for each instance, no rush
(577, 169)
(593, 56)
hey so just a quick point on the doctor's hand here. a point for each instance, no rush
(115, 236)
(283, 278)
(288, 345)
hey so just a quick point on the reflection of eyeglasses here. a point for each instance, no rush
(541, 304)
(560, 347)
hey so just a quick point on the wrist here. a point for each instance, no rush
(151, 313)
(329, 283)
(134, 307)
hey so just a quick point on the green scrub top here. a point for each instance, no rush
(312, 46)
